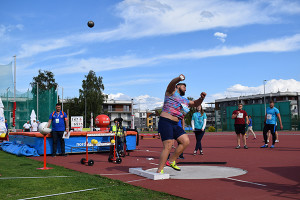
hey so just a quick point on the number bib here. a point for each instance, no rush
(240, 115)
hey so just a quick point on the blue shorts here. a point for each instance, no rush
(168, 129)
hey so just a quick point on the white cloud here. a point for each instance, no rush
(271, 86)
(164, 17)
(119, 96)
(28, 50)
(104, 64)
(4, 30)
(220, 36)
(142, 102)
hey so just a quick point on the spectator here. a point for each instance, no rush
(198, 123)
(34, 126)
(27, 127)
(239, 117)
(250, 129)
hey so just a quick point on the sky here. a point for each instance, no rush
(225, 48)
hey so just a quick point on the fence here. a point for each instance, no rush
(257, 112)
(42, 102)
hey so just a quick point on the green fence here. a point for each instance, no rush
(26, 102)
(257, 112)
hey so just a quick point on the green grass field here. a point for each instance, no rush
(13, 166)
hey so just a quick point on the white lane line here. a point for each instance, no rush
(114, 174)
(246, 182)
(34, 177)
(137, 180)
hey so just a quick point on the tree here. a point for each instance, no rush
(45, 80)
(91, 95)
(46, 93)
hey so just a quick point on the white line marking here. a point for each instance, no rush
(35, 177)
(114, 174)
(149, 151)
(153, 163)
(51, 195)
(137, 180)
(246, 182)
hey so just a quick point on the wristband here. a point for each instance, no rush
(181, 77)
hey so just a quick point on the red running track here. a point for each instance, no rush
(272, 173)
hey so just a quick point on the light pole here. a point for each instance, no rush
(265, 96)
(85, 111)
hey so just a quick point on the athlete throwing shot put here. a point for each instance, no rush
(174, 109)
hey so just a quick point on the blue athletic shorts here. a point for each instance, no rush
(168, 129)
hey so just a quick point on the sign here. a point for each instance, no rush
(77, 123)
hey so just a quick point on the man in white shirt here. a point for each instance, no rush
(34, 126)
(27, 127)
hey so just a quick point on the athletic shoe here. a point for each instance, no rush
(195, 153)
(180, 157)
(174, 166)
(268, 141)
(201, 152)
(272, 146)
(168, 163)
(53, 155)
(264, 146)
(245, 147)
(276, 141)
(161, 172)
(238, 147)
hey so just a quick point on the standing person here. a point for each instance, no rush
(239, 116)
(276, 134)
(181, 123)
(59, 125)
(120, 132)
(34, 126)
(250, 129)
(198, 124)
(271, 116)
(175, 108)
(27, 127)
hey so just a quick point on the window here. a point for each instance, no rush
(126, 108)
(109, 107)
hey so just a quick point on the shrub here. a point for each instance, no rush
(211, 129)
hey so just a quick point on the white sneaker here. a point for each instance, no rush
(268, 141)
(276, 141)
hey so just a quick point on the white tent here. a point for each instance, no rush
(2, 118)
(32, 116)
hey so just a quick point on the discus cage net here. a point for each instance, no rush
(41, 101)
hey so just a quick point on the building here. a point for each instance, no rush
(120, 109)
(140, 119)
(210, 113)
(255, 105)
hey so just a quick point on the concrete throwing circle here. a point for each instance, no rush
(202, 172)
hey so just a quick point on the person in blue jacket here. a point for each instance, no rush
(60, 124)
(271, 116)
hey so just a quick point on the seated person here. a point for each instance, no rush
(120, 132)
